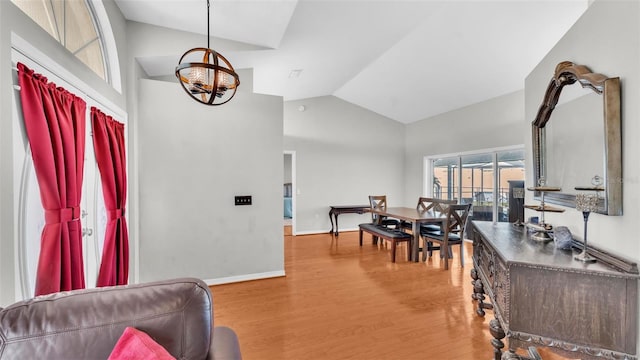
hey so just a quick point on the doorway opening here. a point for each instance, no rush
(289, 192)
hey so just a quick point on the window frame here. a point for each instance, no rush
(104, 37)
(428, 172)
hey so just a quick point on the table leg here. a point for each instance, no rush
(415, 244)
(511, 355)
(495, 328)
(474, 277)
(336, 216)
(331, 212)
(478, 288)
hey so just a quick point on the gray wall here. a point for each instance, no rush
(142, 41)
(344, 153)
(190, 160)
(490, 124)
(193, 160)
(607, 40)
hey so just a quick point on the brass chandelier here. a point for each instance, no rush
(212, 81)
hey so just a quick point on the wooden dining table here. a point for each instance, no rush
(416, 217)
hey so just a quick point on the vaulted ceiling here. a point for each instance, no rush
(407, 60)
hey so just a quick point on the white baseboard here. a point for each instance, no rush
(311, 232)
(247, 277)
(349, 229)
(314, 232)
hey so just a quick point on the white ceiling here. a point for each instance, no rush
(407, 60)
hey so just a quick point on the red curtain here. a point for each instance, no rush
(55, 124)
(108, 141)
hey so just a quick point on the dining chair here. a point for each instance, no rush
(430, 204)
(440, 205)
(379, 202)
(451, 233)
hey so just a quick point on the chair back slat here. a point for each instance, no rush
(437, 205)
(457, 218)
(377, 202)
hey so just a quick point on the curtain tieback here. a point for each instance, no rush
(115, 214)
(57, 216)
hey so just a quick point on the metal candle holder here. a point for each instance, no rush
(542, 229)
(586, 203)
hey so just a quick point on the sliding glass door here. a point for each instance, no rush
(477, 184)
(492, 181)
(510, 166)
(446, 174)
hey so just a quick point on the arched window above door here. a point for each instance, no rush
(74, 24)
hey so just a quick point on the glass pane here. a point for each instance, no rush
(41, 13)
(445, 178)
(79, 30)
(91, 55)
(511, 180)
(71, 23)
(59, 15)
(477, 185)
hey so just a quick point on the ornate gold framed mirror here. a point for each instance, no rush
(567, 73)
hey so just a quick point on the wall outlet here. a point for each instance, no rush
(243, 200)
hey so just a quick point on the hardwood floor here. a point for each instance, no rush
(342, 301)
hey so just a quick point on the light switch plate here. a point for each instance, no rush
(243, 200)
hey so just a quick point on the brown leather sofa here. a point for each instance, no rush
(86, 324)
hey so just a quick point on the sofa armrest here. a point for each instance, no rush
(224, 345)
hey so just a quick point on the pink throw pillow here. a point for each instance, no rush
(137, 345)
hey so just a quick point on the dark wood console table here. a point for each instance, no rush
(344, 209)
(541, 296)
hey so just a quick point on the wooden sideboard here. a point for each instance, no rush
(541, 296)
